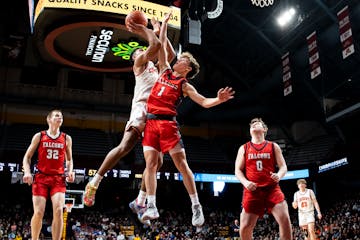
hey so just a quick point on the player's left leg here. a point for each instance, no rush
(281, 214)
(179, 157)
(57, 200)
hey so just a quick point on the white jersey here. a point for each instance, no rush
(144, 82)
(305, 200)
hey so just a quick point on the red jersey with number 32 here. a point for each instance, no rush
(51, 154)
(166, 94)
(259, 163)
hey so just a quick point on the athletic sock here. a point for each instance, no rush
(96, 180)
(151, 200)
(194, 199)
(141, 198)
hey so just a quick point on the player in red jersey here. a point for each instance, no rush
(54, 153)
(146, 73)
(161, 133)
(255, 167)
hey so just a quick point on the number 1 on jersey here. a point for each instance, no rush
(161, 91)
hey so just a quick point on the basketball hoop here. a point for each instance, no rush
(262, 3)
(69, 204)
(68, 207)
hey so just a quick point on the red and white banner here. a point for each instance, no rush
(314, 59)
(345, 32)
(286, 74)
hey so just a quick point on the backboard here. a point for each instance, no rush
(77, 196)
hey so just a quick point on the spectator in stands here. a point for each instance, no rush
(235, 230)
(255, 167)
(305, 201)
(146, 73)
(161, 134)
(54, 151)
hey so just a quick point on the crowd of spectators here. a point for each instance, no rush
(341, 220)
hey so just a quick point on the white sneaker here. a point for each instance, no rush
(139, 211)
(198, 216)
(150, 213)
(135, 208)
(140, 214)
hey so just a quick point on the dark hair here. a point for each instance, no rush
(132, 54)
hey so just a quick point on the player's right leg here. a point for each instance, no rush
(151, 158)
(247, 225)
(127, 143)
(138, 205)
(39, 203)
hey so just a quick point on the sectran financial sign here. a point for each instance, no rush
(91, 34)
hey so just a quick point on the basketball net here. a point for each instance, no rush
(262, 3)
(68, 207)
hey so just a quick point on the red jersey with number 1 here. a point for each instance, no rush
(259, 163)
(166, 94)
(51, 154)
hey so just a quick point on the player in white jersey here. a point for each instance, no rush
(146, 73)
(305, 201)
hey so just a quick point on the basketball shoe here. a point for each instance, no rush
(198, 216)
(150, 213)
(139, 211)
(89, 195)
(140, 214)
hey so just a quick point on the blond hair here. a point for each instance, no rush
(195, 66)
(300, 181)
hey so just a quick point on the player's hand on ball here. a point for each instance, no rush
(134, 27)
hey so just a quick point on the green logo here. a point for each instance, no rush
(124, 50)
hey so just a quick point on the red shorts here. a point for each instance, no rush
(163, 135)
(48, 185)
(262, 199)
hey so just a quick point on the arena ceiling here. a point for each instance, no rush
(243, 47)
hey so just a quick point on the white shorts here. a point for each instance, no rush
(305, 218)
(137, 117)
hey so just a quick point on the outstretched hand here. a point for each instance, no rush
(156, 26)
(135, 27)
(167, 16)
(224, 94)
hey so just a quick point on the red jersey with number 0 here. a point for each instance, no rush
(259, 163)
(166, 94)
(51, 154)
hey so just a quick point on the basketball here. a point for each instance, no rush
(137, 17)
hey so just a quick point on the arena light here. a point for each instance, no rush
(218, 187)
(286, 17)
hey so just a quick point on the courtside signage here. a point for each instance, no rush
(91, 34)
(332, 165)
(230, 178)
(114, 6)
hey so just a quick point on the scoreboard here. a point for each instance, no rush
(129, 174)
